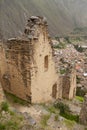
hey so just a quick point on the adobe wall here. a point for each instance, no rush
(15, 68)
(72, 92)
(69, 83)
(25, 72)
(2, 63)
(44, 79)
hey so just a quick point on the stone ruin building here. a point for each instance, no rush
(69, 82)
(27, 67)
(29, 70)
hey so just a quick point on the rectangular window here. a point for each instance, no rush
(46, 62)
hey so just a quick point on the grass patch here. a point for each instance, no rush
(81, 99)
(52, 109)
(44, 120)
(9, 120)
(69, 123)
(15, 99)
(12, 123)
(70, 116)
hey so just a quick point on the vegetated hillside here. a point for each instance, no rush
(62, 15)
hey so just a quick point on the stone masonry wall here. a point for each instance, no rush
(69, 83)
(29, 69)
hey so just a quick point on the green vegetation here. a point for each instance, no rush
(60, 46)
(78, 79)
(52, 109)
(69, 123)
(62, 107)
(2, 127)
(56, 117)
(4, 106)
(65, 112)
(9, 125)
(44, 120)
(62, 71)
(78, 48)
(67, 40)
(79, 98)
(79, 30)
(9, 120)
(80, 92)
(70, 116)
(15, 99)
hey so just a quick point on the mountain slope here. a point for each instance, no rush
(62, 15)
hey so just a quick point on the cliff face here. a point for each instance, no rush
(62, 15)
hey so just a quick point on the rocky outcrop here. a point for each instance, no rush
(83, 113)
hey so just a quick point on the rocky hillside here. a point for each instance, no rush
(62, 15)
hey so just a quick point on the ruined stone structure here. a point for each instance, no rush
(27, 66)
(2, 95)
(83, 113)
(69, 83)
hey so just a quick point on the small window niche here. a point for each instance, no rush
(46, 63)
(54, 91)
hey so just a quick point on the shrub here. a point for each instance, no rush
(62, 71)
(2, 127)
(62, 107)
(56, 117)
(65, 112)
(78, 79)
(80, 92)
(4, 106)
(79, 49)
(68, 40)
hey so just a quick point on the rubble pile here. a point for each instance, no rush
(31, 29)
